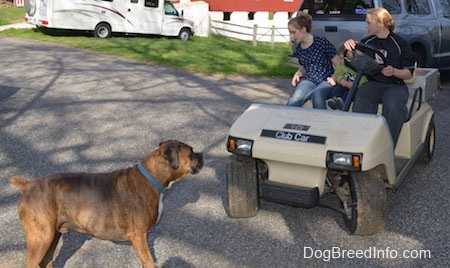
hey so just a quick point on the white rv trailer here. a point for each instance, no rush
(104, 17)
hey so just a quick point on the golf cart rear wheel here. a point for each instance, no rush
(242, 187)
(366, 203)
(430, 139)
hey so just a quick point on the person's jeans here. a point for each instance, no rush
(320, 95)
(339, 91)
(303, 91)
(392, 96)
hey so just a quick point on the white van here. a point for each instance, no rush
(104, 17)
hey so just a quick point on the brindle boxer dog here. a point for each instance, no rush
(118, 206)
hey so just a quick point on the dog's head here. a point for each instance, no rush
(181, 156)
(173, 160)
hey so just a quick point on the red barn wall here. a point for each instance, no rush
(254, 5)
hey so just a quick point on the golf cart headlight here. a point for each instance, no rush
(344, 161)
(240, 146)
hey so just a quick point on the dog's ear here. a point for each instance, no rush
(171, 154)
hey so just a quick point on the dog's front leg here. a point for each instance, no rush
(139, 243)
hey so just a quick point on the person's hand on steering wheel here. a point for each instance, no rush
(388, 70)
(366, 58)
(350, 44)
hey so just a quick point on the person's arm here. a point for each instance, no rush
(404, 73)
(407, 63)
(298, 75)
(331, 81)
(339, 73)
(345, 83)
(336, 60)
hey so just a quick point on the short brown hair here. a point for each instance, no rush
(302, 20)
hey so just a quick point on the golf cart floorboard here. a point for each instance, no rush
(400, 164)
(402, 168)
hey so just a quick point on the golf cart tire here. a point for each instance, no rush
(242, 187)
(368, 204)
(430, 139)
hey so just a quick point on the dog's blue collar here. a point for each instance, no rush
(150, 178)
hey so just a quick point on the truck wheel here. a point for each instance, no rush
(366, 203)
(242, 187)
(102, 30)
(185, 34)
(428, 146)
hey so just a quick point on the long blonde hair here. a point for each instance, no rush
(383, 16)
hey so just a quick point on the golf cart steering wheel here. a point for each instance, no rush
(363, 59)
(363, 62)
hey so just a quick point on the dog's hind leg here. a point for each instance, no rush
(47, 261)
(139, 242)
(42, 239)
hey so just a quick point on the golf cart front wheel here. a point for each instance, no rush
(366, 203)
(242, 187)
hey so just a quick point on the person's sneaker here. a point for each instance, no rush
(335, 103)
(332, 103)
(339, 103)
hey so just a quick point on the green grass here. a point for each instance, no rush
(204, 55)
(11, 14)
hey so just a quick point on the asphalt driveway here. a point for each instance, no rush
(64, 109)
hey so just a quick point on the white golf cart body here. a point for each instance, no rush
(298, 149)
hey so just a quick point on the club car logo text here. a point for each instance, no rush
(292, 136)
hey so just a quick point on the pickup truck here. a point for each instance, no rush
(425, 24)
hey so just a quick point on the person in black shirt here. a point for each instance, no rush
(388, 87)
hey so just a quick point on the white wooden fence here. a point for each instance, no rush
(19, 3)
(255, 33)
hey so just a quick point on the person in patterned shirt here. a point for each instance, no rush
(314, 54)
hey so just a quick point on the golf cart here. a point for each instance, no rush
(298, 155)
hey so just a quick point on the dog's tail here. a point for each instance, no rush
(19, 182)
